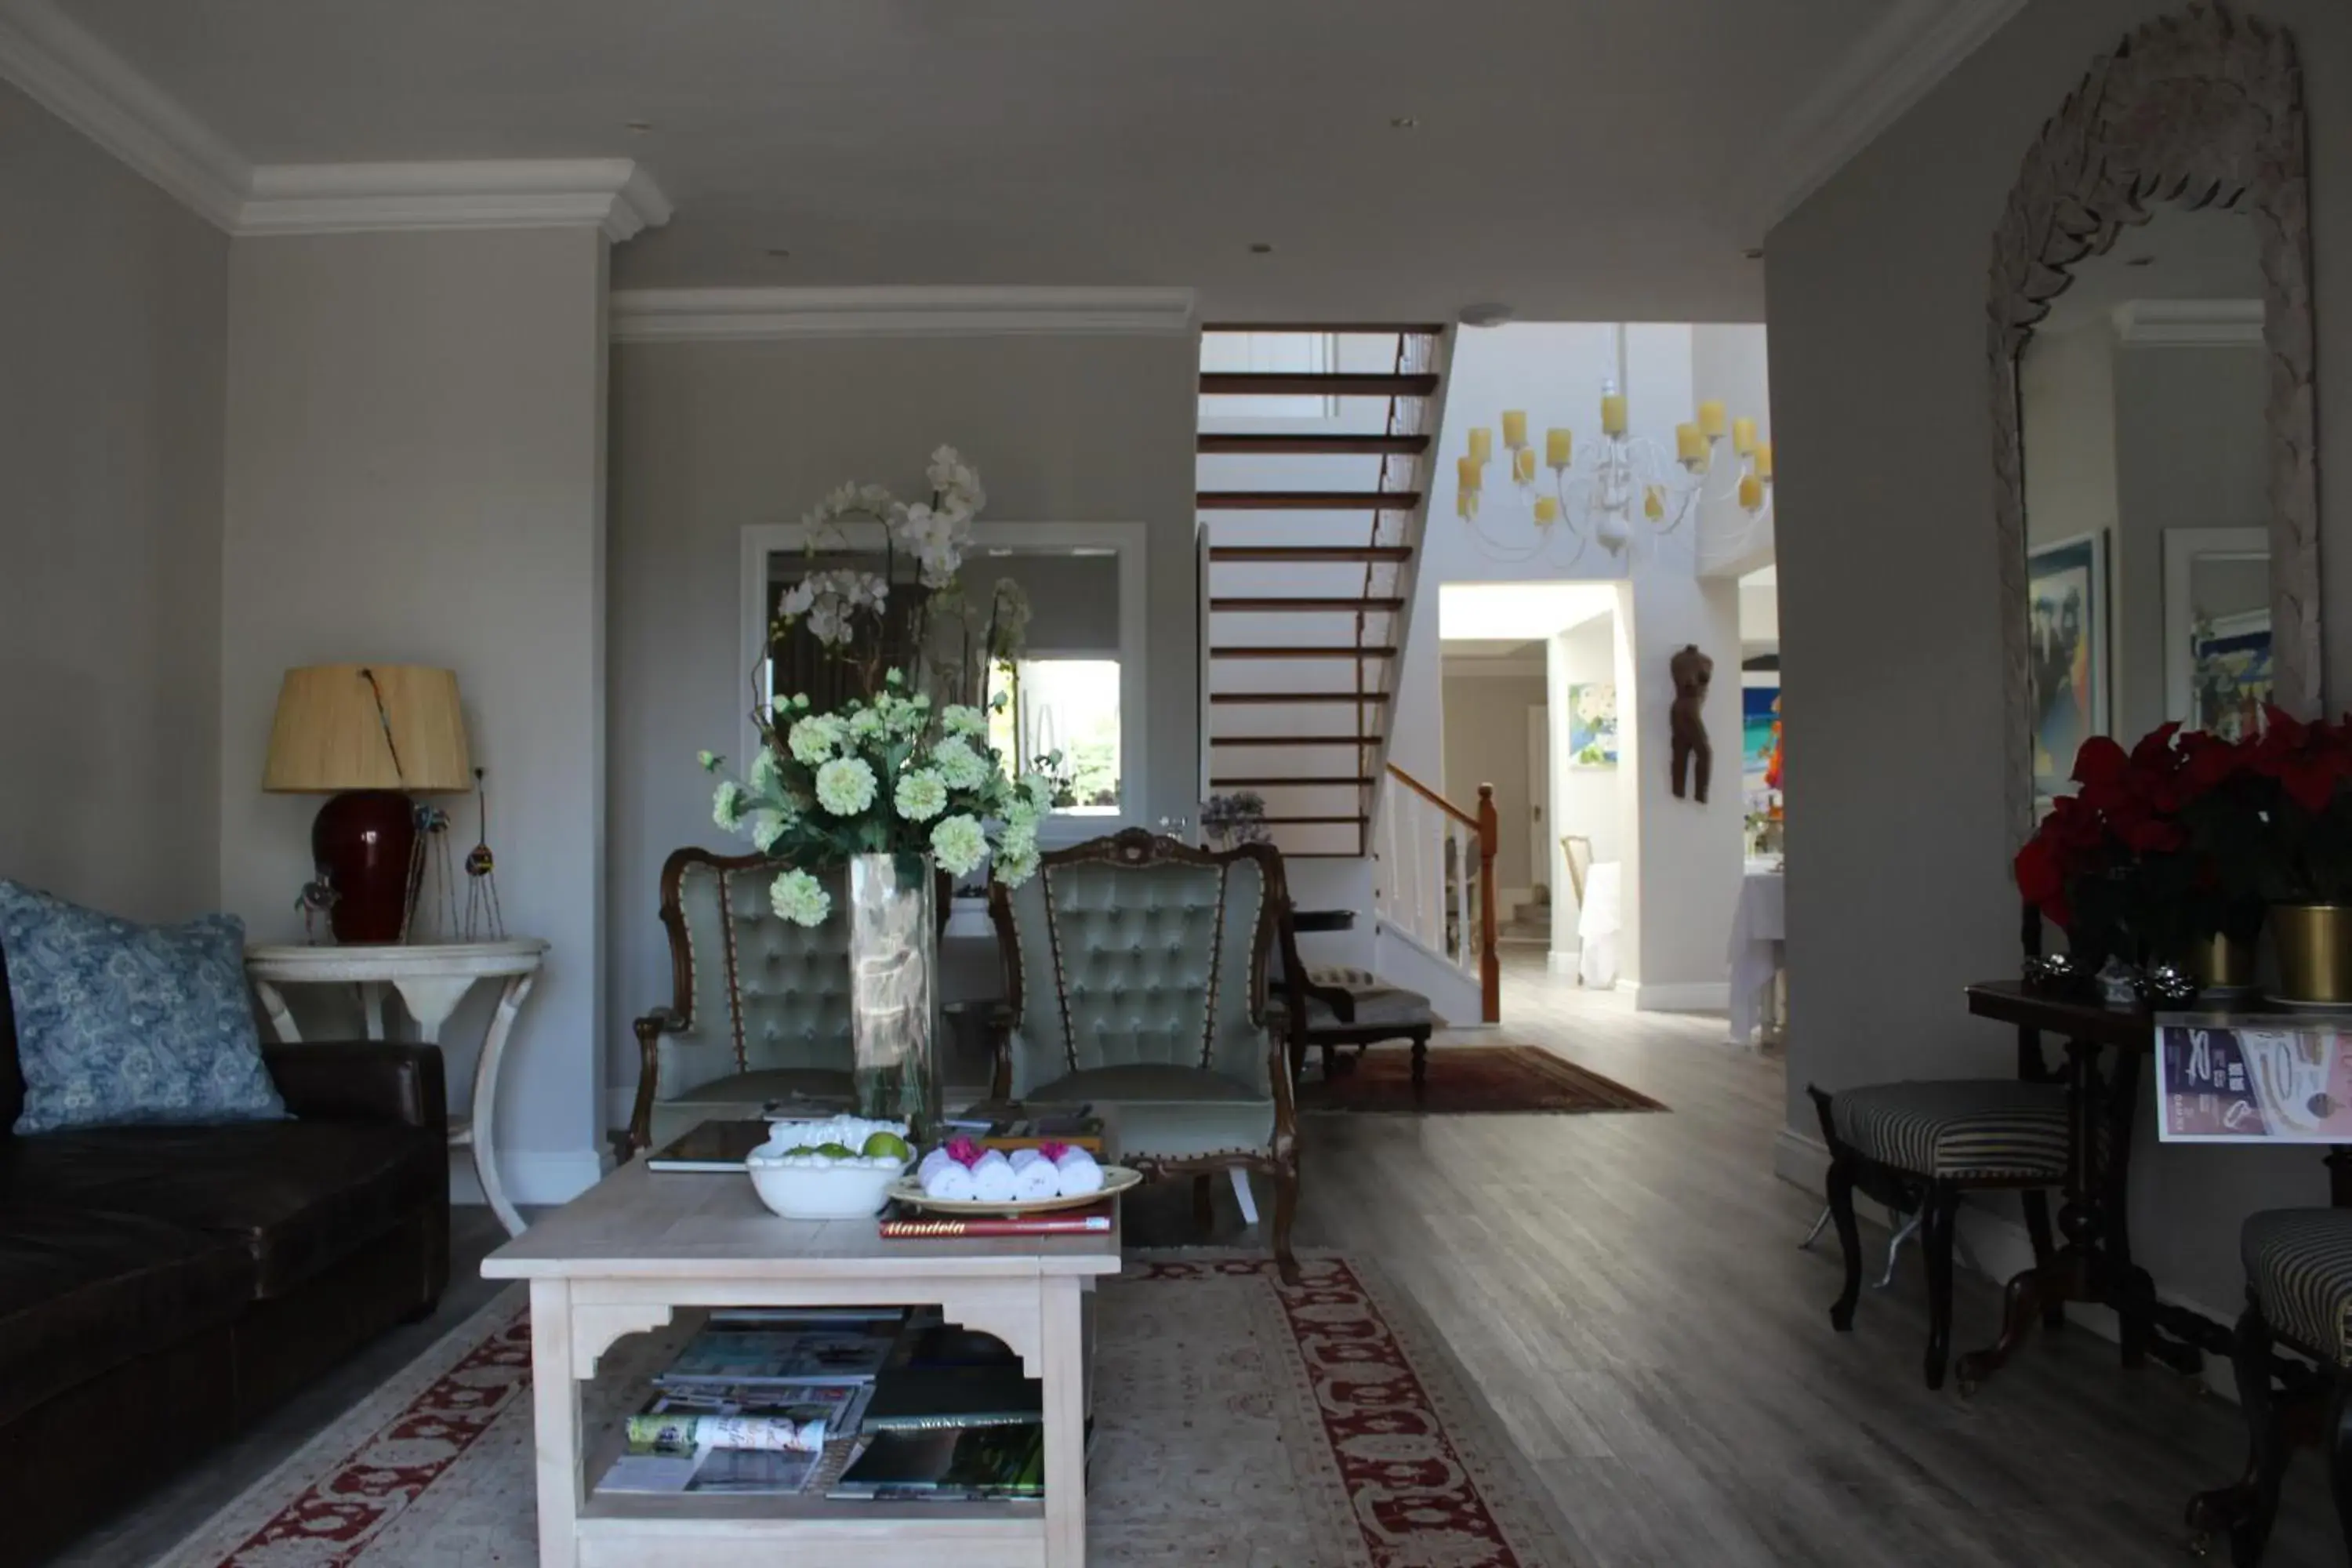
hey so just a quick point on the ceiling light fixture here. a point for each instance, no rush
(1486, 315)
(636, 127)
(1404, 122)
(776, 253)
(1260, 247)
(1623, 475)
(1754, 253)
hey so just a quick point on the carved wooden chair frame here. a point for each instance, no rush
(2203, 109)
(1137, 847)
(678, 1017)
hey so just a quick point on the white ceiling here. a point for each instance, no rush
(1581, 159)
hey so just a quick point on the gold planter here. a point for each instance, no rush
(2221, 965)
(2315, 953)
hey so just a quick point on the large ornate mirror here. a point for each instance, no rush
(2151, 341)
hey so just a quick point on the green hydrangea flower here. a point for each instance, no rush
(844, 786)
(959, 844)
(960, 767)
(922, 795)
(798, 898)
(727, 804)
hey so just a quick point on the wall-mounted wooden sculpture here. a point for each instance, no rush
(1693, 670)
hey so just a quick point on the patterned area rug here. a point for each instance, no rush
(1466, 1080)
(1237, 1422)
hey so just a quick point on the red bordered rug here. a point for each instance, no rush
(1237, 1422)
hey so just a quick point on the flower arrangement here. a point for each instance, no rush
(894, 770)
(2190, 835)
(1233, 819)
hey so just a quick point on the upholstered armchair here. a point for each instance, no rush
(1135, 980)
(761, 1006)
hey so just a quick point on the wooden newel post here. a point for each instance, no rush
(1490, 957)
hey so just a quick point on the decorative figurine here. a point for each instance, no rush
(483, 921)
(315, 899)
(1693, 670)
(428, 861)
(2171, 986)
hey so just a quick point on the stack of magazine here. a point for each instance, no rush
(865, 1403)
(756, 1400)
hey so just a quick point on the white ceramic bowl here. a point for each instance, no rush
(806, 1188)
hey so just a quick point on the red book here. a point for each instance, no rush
(1095, 1217)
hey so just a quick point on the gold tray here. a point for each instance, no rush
(1117, 1178)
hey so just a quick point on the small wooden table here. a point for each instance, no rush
(625, 1255)
(432, 978)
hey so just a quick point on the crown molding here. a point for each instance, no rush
(2190, 323)
(1892, 66)
(615, 195)
(66, 71)
(59, 65)
(691, 315)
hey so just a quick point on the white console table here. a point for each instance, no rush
(431, 978)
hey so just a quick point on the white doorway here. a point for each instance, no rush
(1540, 835)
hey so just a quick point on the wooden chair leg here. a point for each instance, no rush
(2257, 1509)
(1420, 1062)
(1285, 1209)
(1936, 1247)
(2045, 1250)
(1204, 1213)
(2339, 1451)
(1841, 1195)
(1329, 1058)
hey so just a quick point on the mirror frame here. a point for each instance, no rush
(2197, 110)
(1129, 540)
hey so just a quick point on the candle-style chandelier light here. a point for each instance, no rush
(1596, 500)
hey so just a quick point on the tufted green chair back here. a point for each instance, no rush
(767, 993)
(1135, 951)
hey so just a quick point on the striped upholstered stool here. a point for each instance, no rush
(1942, 1139)
(2299, 1290)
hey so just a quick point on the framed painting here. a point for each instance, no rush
(1759, 737)
(1592, 724)
(2066, 652)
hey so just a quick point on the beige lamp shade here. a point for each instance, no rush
(330, 733)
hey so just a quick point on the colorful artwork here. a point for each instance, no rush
(1592, 724)
(1759, 737)
(2066, 659)
(2281, 1080)
(2230, 672)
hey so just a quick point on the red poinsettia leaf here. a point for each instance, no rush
(2100, 761)
(2155, 748)
(2309, 782)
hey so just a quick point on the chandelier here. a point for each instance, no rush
(1596, 487)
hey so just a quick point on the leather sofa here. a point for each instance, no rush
(160, 1286)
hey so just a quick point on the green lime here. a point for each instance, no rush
(833, 1152)
(885, 1146)
(799, 1148)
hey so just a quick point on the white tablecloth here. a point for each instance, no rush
(1757, 931)
(1598, 921)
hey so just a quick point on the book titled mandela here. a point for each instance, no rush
(901, 1225)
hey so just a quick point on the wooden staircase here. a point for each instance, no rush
(1311, 489)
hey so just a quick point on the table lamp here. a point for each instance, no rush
(369, 735)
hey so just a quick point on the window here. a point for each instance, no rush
(1072, 706)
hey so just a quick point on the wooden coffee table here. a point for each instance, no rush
(621, 1258)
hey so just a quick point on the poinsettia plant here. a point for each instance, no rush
(2300, 772)
(2159, 849)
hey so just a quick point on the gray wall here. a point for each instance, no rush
(711, 437)
(416, 474)
(1899, 888)
(1486, 743)
(113, 303)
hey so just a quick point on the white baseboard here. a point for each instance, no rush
(533, 1176)
(1682, 996)
(2001, 1247)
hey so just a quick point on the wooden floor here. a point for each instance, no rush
(1627, 1290)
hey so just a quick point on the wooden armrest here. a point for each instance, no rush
(649, 1030)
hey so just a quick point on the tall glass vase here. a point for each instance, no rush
(894, 998)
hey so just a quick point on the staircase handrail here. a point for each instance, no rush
(1486, 823)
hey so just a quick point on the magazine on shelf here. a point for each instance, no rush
(949, 1464)
(694, 1418)
(721, 1354)
(776, 1470)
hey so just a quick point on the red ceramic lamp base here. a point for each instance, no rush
(361, 843)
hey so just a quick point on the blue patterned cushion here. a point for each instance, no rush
(121, 1023)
